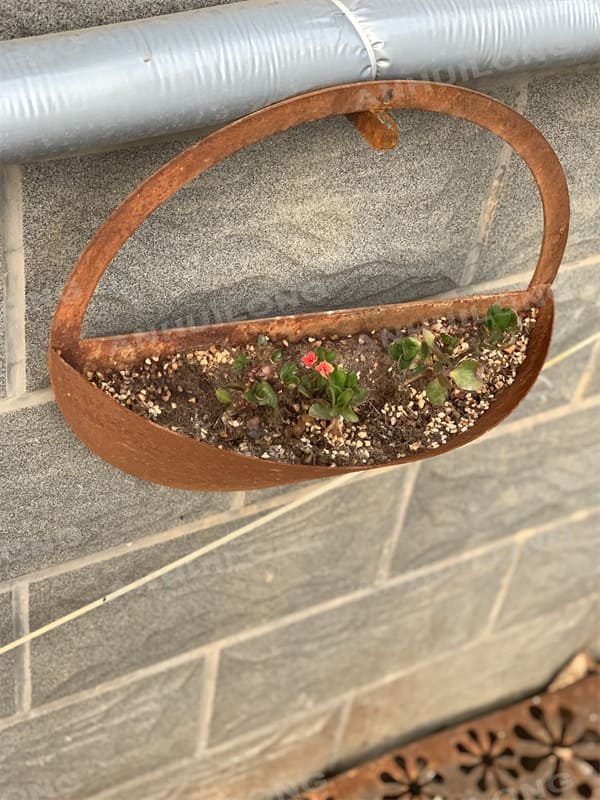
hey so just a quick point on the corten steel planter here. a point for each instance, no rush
(149, 451)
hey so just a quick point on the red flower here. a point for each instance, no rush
(309, 359)
(324, 369)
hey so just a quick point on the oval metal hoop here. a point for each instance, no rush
(454, 101)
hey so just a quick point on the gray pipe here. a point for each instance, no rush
(99, 87)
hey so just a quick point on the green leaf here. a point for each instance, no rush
(349, 415)
(333, 391)
(289, 373)
(395, 350)
(262, 394)
(240, 362)
(465, 375)
(320, 411)
(262, 340)
(345, 398)
(436, 392)
(338, 377)
(410, 348)
(449, 342)
(276, 356)
(325, 355)
(223, 396)
(501, 319)
(424, 350)
(306, 385)
(404, 350)
(428, 337)
(360, 395)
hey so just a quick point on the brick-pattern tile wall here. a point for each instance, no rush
(355, 612)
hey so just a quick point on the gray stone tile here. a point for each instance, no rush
(312, 219)
(315, 660)
(271, 765)
(494, 672)
(8, 660)
(31, 18)
(2, 320)
(554, 568)
(61, 502)
(314, 553)
(499, 485)
(283, 494)
(593, 386)
(2, 337)
(97, 743)
(565, 108)
(577, 297)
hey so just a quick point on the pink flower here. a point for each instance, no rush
(324, 368)
(309, 359)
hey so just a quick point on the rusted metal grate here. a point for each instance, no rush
(547, 746)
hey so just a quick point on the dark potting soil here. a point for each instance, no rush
(395, 420)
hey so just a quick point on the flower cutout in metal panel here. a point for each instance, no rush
(416, 780)
(488, 760)
(568, 755)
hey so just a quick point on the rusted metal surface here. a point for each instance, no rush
(153, 453)
(379, 128)
(544, 747)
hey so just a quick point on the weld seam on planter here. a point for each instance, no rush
(355, 22)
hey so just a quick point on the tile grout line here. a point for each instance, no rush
(11, 222)
(337, 602)
(490, 203)
(238, 500)
(209, 688)
(29, 400)
(506, 429)
(329, 706)
(279, 502)
(503, 590)
(342, 726)
(550, 415)
(20, 601)
(301, 615)
(584, 381)
(199, 653)
(389, 549)
(189, 558)
(179, 531)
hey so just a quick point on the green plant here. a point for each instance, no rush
(437, 356)
(500, 323)
(255, 373)
(261, 393)
(240, 362)
(336, 392)
(289, 374)
(224, 396)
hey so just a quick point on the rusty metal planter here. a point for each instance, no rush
(149, 451)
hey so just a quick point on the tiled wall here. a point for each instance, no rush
(355, 612)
